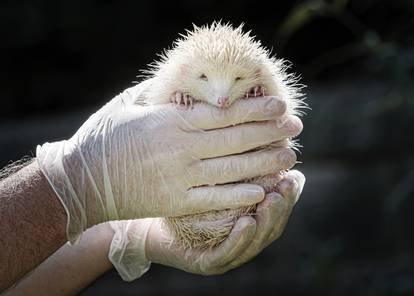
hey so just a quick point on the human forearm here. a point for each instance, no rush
(32, 223)
(71, 268)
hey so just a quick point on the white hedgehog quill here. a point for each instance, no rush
(218, 64)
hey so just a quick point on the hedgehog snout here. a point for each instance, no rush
(223, 102)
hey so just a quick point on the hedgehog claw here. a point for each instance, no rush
(180, 98)
(255, 91)
(188, 101)
(191, 102)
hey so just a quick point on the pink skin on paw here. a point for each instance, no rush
(257, 91)
(180, 98)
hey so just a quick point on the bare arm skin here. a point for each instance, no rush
(32, 223)
(71, 268)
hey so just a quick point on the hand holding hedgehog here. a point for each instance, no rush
(248, 238)
(133, 161)
(138, 157)
(219, 65)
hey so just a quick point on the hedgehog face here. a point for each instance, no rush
(220, 85)
(219, 64)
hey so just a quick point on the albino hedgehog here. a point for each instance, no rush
(218, 65)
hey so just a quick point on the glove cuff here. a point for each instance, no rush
(50, 160)
(127, 251)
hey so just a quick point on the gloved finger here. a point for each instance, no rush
(220, 197)
(290, 189)
(292, 185)
(207, 117)
(267, 214)
(234, 168)
(212, 261)
(284, 214)
(244, 137)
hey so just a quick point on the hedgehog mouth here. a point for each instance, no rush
(256, 91)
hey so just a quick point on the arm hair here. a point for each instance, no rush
(32, 221)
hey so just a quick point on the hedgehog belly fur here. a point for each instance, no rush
(205, 230)
(209, 229)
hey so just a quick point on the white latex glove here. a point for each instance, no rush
(132, 161)
(137, 243)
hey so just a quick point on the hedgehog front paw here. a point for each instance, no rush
(180, 98)
(257, 91)
(260, 91)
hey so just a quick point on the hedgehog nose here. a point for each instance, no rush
(223, 102)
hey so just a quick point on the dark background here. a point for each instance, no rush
(352, 231)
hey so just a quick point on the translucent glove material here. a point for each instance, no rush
(127, 251)
(137, 242)
(133, 161)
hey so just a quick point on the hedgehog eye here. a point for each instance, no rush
(204, 77)
(238, 78)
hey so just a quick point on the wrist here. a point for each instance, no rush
(156, 238)
(32, 222)
(97, 241)
(47, 190)
(70, 178)
(128, 251)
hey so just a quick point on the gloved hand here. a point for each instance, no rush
(134, 161)
(136, 243)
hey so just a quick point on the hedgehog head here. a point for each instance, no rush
(217, 62)
(213, 63)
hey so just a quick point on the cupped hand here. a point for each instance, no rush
(139, 242)
(130, 160)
